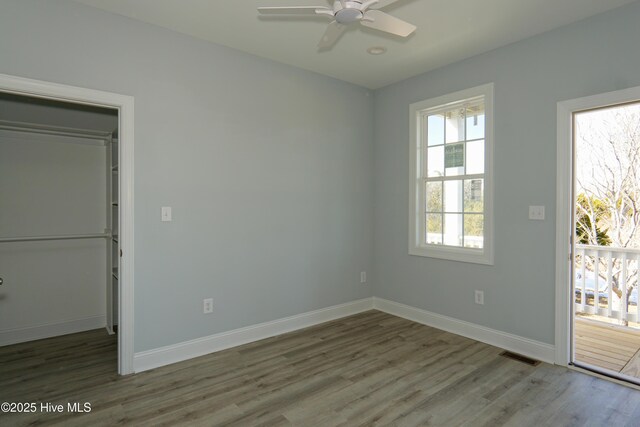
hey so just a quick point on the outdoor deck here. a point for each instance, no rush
(608, 346)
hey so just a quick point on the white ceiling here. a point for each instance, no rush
(448, 31)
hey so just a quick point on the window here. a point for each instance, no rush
(451, 177)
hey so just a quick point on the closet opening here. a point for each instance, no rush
(59, 232)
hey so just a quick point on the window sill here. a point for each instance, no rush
(473, 256)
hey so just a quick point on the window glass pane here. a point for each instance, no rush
(435, 161)
(453, 229)
(455, 171)
(475, 121)
(435, 130)
(475, 157)
(454, 128)
(453, 196)
(434, 196)
(434, 229)
(451, 144)
(474, 231)
(474, 195)
(454, 159)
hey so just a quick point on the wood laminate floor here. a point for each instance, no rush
(367, 369)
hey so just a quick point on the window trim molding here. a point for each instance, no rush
(476, 256)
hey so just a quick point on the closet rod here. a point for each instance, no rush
(54, 130)
(63, 237)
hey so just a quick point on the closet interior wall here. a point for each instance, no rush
(57, 178)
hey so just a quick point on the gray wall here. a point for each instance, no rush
(597, 55)
(268, 168)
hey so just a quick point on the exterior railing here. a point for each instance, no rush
(606, 282)
(469, 241)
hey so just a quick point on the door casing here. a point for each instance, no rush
(564, 209)
(125, 106)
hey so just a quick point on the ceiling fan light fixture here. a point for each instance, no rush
(347, 16)
(376, 50)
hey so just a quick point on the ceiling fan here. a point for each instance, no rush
(345, 12)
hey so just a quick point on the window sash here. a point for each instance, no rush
(420, 113)
(424, 179)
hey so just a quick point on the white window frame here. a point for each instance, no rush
(417, 245)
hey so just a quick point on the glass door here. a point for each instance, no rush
(606, 243)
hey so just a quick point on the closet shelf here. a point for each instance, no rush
(43, 238)
(34, 128)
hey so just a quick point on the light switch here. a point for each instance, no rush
(536, 213)
(166, 213)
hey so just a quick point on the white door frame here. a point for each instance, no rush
(564, 208)
(124, 104)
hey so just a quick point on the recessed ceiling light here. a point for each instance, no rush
(376, 50)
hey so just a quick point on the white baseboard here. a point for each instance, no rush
(198, 347)
(155, 358)
(31, 333)
(517, 344)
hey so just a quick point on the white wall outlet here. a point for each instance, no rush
(480, 297)
(536, 213)
(166, 213)
(363, 277)
(207, 305)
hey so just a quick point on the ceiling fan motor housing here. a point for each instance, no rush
(348, 12)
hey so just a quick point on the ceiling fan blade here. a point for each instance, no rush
(296, 10)
(331, 35)
(381, 21)
(384, 3)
